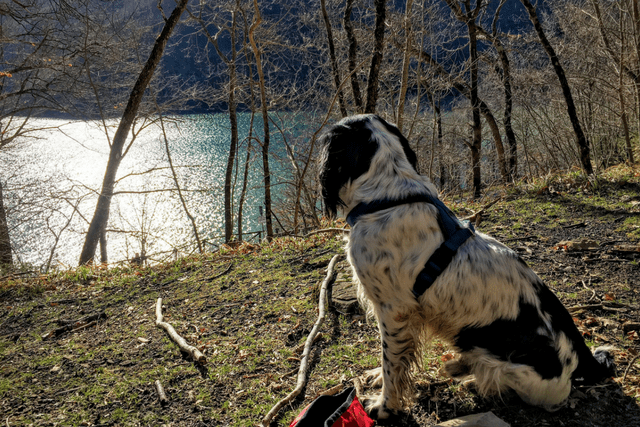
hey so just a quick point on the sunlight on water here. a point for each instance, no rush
(45, 178)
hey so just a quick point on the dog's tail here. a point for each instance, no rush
(594, 367)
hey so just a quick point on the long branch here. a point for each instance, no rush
(304, 361)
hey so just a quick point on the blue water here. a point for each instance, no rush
(45, 177)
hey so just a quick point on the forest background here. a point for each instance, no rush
(488, 92)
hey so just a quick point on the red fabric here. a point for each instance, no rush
(355, 416)
(300, 415)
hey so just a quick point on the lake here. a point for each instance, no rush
(51, 181)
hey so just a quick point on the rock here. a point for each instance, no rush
(485, 419)
(343, 297)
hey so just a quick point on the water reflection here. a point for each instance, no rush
(52, 183)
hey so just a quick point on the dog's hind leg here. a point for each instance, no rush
(399, 348)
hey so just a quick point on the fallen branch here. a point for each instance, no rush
(595, 307)
(626, 372)
(70, 325)
(474, 217)
(515, 239)
(327, 230)
(161, 394)
(184, 346)
(330, 392)
(304, 360)
(593, 292)
(217, 276)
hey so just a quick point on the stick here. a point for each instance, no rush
(474, 217)
(594, 307)
(304, 361)
(161, 394)
(629, 367)
(330, 392)
(327, 230)
(217, 276)
(184, 346)
(76, 325)
(593, 294)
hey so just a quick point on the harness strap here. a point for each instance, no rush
(455, 232)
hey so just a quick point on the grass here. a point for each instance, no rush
(249, 309)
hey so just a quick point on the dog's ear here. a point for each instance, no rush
(408, 152)
(346, 152)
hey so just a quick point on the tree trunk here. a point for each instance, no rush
(581, 139)
(332, 57)
(636, 34)
(512, 157)
(376, 59)
(233, 146)
(476, 143)
(265, 120)
(353, 50)
(5, 242)
(101, 216)
(512, 154)
(405, 63)
(104, 254)
(485, 111)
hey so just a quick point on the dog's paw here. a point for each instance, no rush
(373, 378)
(376, 407)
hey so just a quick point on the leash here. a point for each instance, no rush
(455, 232)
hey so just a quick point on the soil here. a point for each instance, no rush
(250, 308)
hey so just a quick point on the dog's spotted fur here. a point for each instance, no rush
(508, 329)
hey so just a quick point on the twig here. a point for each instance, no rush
(77, 325)
(594, 307)
(217, 276)
(357, 383)
(514, 239)
(60, 393)
(330, 392)
(580, 224)
(327, 230)
(475, 215)
(161, 394)
(304, 362)
(629, 367)
(184, 346)
(593, 294)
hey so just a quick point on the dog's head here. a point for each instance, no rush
(347, 149)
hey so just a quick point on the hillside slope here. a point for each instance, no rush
(250, 309)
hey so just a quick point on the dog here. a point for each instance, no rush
(509, 331)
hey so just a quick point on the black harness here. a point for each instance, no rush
(455, 234)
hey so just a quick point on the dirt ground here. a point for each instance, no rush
(250, 309)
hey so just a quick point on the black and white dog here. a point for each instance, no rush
(508, 329)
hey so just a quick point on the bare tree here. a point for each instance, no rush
(264, 108)
(406, 60)
(581, 139)
(376, 58)
(619, 57)
(353, 49)
(231, 62)
(332, 57)
(6, 260)
(101, 216)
